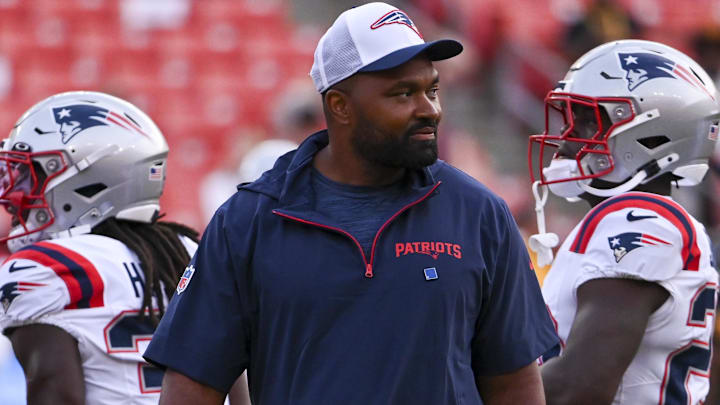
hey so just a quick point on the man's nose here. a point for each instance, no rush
(428, 108)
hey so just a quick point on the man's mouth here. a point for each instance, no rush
(424, 134)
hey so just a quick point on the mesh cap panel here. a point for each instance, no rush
(339, 58)
(372, 37)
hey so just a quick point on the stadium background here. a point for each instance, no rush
(219, 76)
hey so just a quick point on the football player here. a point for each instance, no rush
(633, 288)
(91, 267)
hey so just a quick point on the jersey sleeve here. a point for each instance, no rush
(201, 333)
(189, 244)
(514, 328)
(29, 292)
(651, 248)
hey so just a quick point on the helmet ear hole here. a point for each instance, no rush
(652, 142)
(90, 190)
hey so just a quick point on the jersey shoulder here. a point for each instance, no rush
(190, 245)
(58, 274)
(637, 235)
(45, 278)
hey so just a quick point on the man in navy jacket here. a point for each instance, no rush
(360, 269)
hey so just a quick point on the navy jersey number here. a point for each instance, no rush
(122, 335)
(693, 358)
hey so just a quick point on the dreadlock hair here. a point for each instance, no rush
(162, 256)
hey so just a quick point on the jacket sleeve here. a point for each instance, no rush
(204, 333)
(514, 327)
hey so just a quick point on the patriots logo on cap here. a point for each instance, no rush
(395, 17)
(641, 67)
(76, 118)
(625, 243)
(10, 291)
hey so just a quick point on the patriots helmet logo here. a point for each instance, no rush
(624, 243)
(10, 291)
(641, 67)
(395, 17)
(77, 118)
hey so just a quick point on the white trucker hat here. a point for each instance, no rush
(372, 37)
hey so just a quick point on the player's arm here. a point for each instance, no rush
(523, 386)
(609, 325)
(51, 361)
(178, 389)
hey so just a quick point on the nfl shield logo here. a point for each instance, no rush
(185, 279)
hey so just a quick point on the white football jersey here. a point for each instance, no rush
(91, 286)
(646, 237)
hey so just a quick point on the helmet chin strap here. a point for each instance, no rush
(542, 242)
(609, 192)
(643, 173)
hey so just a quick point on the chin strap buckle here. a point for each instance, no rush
(542, 242)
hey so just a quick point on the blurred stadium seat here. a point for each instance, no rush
(219, 67)
(202, 69)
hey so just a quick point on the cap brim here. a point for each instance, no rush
(436, 50)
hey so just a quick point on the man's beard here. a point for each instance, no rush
(386, 150)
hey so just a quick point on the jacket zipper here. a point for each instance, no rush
(368, 265)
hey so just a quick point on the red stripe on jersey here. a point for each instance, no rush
(92, 274)
(668, 209)
(646, 236)
(72, 282)
(60, 269)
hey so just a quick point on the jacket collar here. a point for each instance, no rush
(289, 179)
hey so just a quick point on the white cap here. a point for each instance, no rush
(372, 37)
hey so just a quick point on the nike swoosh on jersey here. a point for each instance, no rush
(14, 268)
(630, 217)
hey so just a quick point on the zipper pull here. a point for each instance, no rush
(368, 271)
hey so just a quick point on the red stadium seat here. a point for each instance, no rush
(224, 68)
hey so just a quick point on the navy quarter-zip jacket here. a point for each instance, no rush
(447, 293)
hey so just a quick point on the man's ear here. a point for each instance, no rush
(337, 104)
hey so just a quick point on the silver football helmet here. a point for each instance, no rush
(76, 159)
(626, 112)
